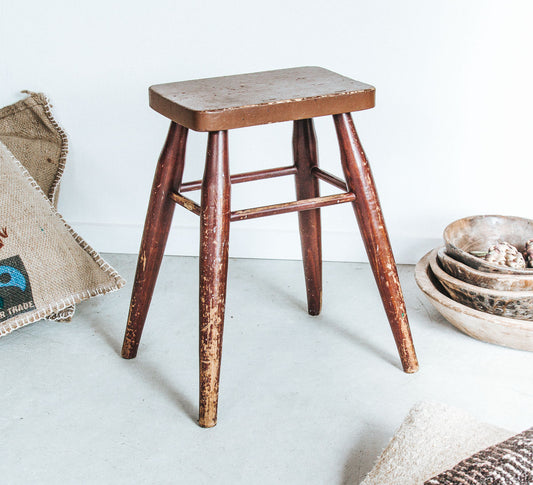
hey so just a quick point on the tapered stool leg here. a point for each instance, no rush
(305, 158)
(214, 237)
(372, 225)
(167, 178)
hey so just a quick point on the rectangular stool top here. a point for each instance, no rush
(223, 103)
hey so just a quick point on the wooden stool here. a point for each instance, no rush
(219, 104)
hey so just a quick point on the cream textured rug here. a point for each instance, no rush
(433, 438)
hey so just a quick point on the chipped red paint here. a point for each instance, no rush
(372, 225)
(306, 159)
(215, 217)
(167, 179)
(214, 240)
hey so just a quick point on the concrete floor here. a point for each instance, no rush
(304, 400)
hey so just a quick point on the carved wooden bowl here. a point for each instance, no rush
(512, 304)
(494, 281)
(477, 233)
(509, 332)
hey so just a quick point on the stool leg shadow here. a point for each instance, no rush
(148, 372)
(163, 385)
(359, 341)
(327, 323)
(363, 456)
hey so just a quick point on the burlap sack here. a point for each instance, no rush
(45, 266)
(29, 131)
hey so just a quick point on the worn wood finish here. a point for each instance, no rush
(306, 159)
(493, 281)
(186, 203)
(372, 225)
(167, 179)
(239, 178)
(295, 206)
(214, 238)
(509, 332)
(511, 304)
(259, 98)
(478, 233)
(270, 210)
(216, 105)
(329, 178)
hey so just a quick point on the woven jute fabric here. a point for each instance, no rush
(45, 266)
(31, 133)
(507, 463)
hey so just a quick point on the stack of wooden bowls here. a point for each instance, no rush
(489, 302)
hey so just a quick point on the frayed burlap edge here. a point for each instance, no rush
(64, 315)
(72, 299)
(54, 188)
(44, 101)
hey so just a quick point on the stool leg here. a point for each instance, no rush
(167, 178)
(305, 158)
(372, 225)
(214, 236)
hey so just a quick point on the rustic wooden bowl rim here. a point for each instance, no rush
(450, 227)
(482, 274)
(427, 286)
(440, 274)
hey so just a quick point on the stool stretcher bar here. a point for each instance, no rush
(330, 179)
(245, 177)
(295, 206)
(270, 210)
(270, 173)
(185, 202)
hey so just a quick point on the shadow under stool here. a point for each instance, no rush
(217, 105)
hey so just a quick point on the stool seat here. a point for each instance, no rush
(224, 103)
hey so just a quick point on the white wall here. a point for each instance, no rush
(450, 136)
